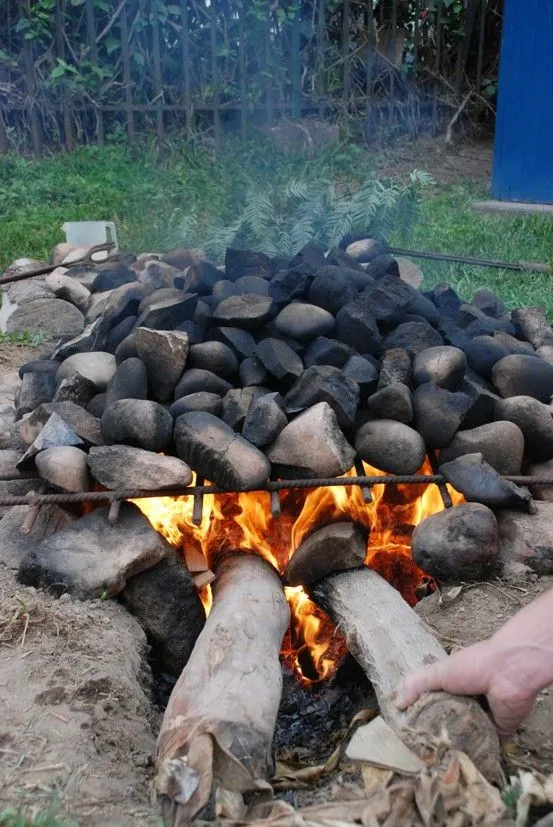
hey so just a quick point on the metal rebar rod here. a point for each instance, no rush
(477, 262)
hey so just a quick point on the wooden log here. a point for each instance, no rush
(218, 726)
(390, 641)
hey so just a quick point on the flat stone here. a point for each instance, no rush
(519, 375)
(159, 274)
(335, 547)
(414, 337)
(390, 446)
(356, 326)
(410, 272)
(81, 421)
(165, 601)
(215, 357)
(391, 402)
(395, 367)
(151, 299)
(130, 381)
(332, 288)
(69, 289)
(533, 325)
(288, 285)
(97, 306)
(51, 316)
(201, 401)
(481, 404)
(138, 422)
(99, 367)
(252, 371)
(75, 389)
(541, 469)
(324, 351)
(54, 433)
(111, 276)
(534, 420)
(64, 467)
(83, 343)
(246, 263)
(475, 322)
(500, 443)
(438, 413)
(323, 383)
(458, 544)
(249, 311)
(166, 314)
(312, 445)
(479, 482)
(264, 421)
(93, 558)
(445, 366)
(303, 321)
(14, 545)
(240, 341)
(197, 380)
(164, 353)
(236, 404)
(199, 278)
(36, 388)
(363, 372)
(120, 467)
(527, 538)
(279, 359)
(217, 453)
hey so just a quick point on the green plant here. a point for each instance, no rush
(19, 817)
(25, 338)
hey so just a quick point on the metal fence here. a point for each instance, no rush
(76, 71)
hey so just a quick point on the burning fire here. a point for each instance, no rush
(244, 521)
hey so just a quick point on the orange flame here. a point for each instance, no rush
(244, 521)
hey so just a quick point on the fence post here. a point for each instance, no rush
(320, 86)
(437, 58)
(3, 136)
(60, 49)
(481, 37)
(186, 65)
(127, 79)
(157, 72)
(268, 77)
(215, 77)
(242, 70)
(31, 87)
(345, 51)
(93, 51)
(296, 64)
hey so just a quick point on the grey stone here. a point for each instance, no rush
(438, 413)
(166, 603)
(383, 265)
(97, 405)
(167, 314)
(14, 545)
(391, 402)
(534, 420)
(139, 422)
(81, 421)
(9, 457)
(395, 367)
(124, 467)
(7, 420)
(475, 322)
(93, 558)
(35, 389)
(500, 443)
(197, 380)
(69, 289)
(119, 333)
(236, 404)
(363, 372)
(264, 421)
(520, 375)
(483, 352)
(323, 351)
(312, 445)
(97, 306)
(332, 288)
(241, 342)
(488, 303)
(249, 311)
(126, 349)
(126, 301)
(541, 469)
(215, 357)
(99, 367)
(199, 401)
(323, 383)
(152, 298)
(75, 389)
(159, 274)
(390, 446)
(290, 284)
(513, 344)
(64, 467)
(130, 381)
(479, 482)
(356, 326)
(365, 249)
(111, 275)
(279, 359)
(83, 343)
(414, 337)
(458, 544)
(246, 263)
(481, 404)
(54, 433)
(335, 547)
(445, 366)
(217, 453)
(252, 371)
(304, 321)
(534, 325)
(53, 317)
(528, 538)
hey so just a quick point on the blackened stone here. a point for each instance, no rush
(197, 379)
(252, 284)
(356, 326)
(458, 544)
(122, 467)
(164, 352)
(130, 381)
(446, 300)
(388, 299)
(391, 402)
(390, 446)
(246, 263)
(528, 538)
(195, 332)
(83, 343)
(179, 257)
(271, 331)
(477, 481)
(138, 422)
(521, 375)
(36, 387)
(513, 344)
(125, 301)
(241, 342)
(97, 405)
(363, 372)
(339, 258)
(99, 367)
(483, 352)
(203, 314)
(438, 413)
(395, 368)
(323, 383)
(335, 547)
(48, 366)
(217, 453)
(500, 443)
(482, 404)
(323, 351)
(444, 366)
(165, 602)
(312, 445)
(222, 290)
(249, 312)
(304, 321)
(126, 349)
(332, 288)
(287, 285)
(158, 274)
(279, 359)
(167, 314)
(362, 249)
(413, 337)
(236, 404)
(252, 371)
(120, 332)
(75, 389)
(152, 299)
(382, 266)
(311, 255)
(94, 557)
(422, 306)
(264, 421)
(477, 323)
(215, 357)
(199, 278)
(533, 325)
(489, 303)
(110, 277)
(534, 420)
(200, 401)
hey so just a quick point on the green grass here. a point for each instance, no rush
(12, 817)
(140, 192)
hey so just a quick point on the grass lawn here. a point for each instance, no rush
(140, 193)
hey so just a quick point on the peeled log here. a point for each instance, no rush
(218, 725)
(390, 641)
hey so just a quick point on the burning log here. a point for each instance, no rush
(389, 641)
(218, 726)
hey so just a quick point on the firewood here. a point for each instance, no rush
(389, 641)
(218, 726)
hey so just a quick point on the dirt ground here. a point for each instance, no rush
(453, 163)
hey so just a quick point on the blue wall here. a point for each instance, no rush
(523, 154)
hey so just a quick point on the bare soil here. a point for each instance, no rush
(448, 163)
